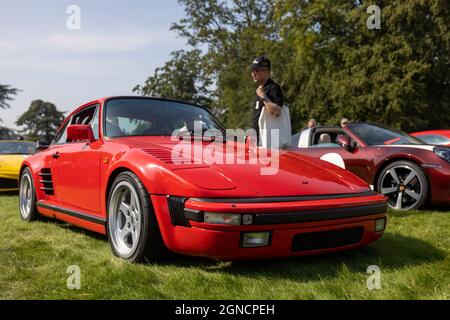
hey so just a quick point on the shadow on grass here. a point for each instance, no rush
(393, 251)
(8, 193)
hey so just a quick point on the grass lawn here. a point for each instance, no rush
(413, 255)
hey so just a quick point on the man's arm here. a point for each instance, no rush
(272, 107)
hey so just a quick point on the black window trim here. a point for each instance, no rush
(68, 122)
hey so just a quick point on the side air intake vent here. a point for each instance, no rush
(46, 181)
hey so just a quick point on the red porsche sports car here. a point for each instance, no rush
(111, 169)
(437, 137)
(399, 166)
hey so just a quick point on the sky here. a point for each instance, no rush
(118, 45)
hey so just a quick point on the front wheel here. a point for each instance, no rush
(27, 197)
(405, 185)
(132, 228)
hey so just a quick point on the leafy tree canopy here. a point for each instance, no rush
(6, 93)
(328, 62)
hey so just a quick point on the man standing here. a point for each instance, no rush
(268, 94)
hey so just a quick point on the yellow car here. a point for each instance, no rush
(12, 153)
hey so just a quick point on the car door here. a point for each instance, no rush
(76, 167)
(323, 143)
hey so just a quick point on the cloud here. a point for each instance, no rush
(127, 41)
(115, 41)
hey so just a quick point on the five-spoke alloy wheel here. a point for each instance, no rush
(132, 226)
(404, 184)
(27, 197)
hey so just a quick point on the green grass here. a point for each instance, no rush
(414, 257)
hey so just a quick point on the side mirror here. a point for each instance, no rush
(41, 146)
(345, 142)
(80, 132)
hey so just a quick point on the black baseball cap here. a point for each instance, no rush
(260, 62)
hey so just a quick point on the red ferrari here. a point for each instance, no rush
(111, 169)
(399, 166)
(437, 137)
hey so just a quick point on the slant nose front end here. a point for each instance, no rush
(256, 228)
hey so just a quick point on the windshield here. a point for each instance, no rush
(152, 117)
(375, 135)
(434, 139)
(17, 147)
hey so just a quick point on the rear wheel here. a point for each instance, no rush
(132, 228)
(27, 197)
(405, 185)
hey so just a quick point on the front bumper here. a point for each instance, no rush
(327, 234)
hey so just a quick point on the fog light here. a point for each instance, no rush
(380, 225)
(255, 239)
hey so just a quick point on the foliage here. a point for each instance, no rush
(328, 62)
(6, 93)
(41, 120)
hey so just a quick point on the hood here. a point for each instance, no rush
(294, 175)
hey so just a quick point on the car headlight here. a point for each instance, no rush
(443, 153)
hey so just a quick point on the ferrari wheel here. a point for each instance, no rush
(132, 228)
(405, 185)
(27, 197)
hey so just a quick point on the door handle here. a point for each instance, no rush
(56, 155)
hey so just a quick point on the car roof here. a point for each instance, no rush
(105, 99)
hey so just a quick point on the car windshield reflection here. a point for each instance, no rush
(377, 135)
(17, 147)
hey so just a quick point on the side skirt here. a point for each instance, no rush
(72, 213)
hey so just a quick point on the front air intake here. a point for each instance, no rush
(176, 211)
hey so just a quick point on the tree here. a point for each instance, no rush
(41, 120)
(6, 93)
(183, 78)
(328, 62)
(398, 75)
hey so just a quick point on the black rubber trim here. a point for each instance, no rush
(176, 211)
(318, 215)
(284, 199)
(76, 214)
(194, 215)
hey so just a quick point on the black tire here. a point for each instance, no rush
(32, 214)
(150, 245)
(415, 192)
